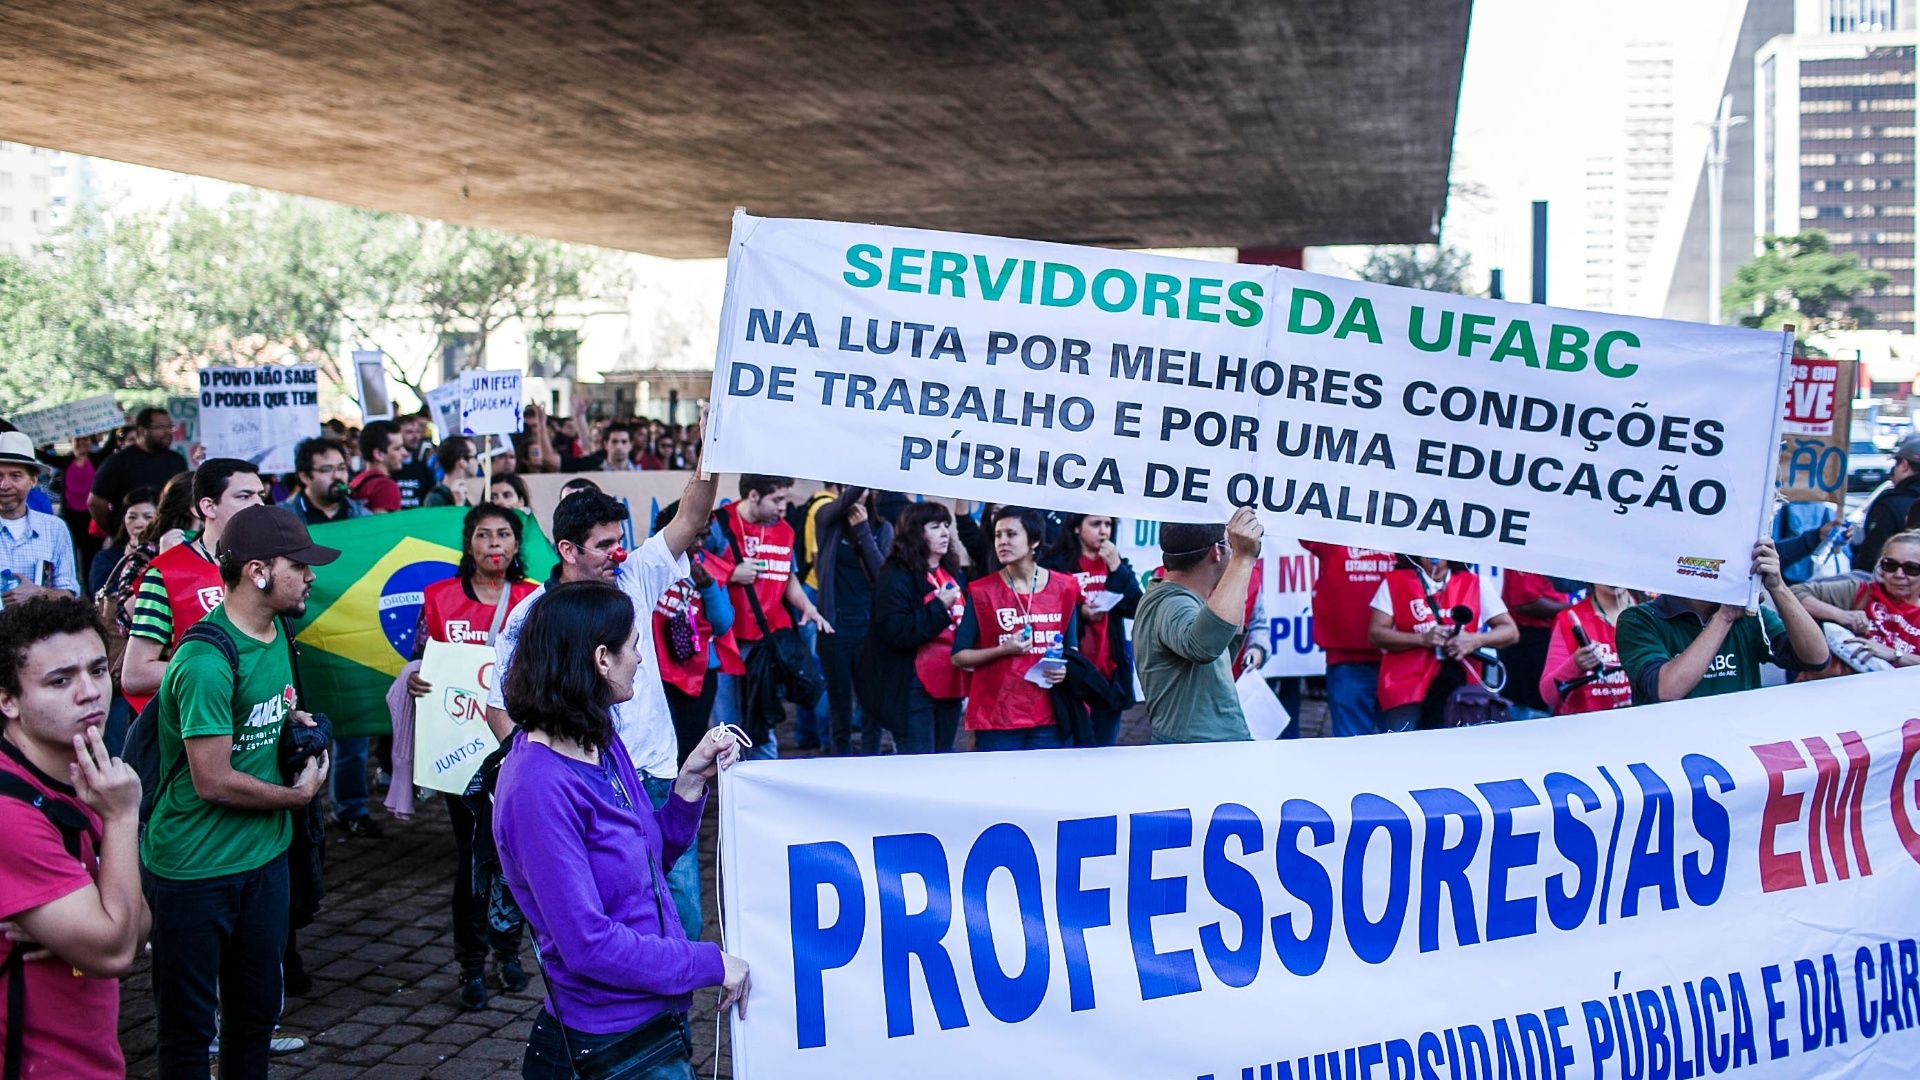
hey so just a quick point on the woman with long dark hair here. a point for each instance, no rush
(1109, 595)
(136, 511)
(586, 853)
(1017, 618)
(909, 685)
(470, 608)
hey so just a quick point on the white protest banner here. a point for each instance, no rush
(1596, 447)
(444, 401)
(87, 416)
(370, 376)
(259, 414)
(489, 402)
(450, 733)
(1701, 885)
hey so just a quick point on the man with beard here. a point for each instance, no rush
(147, 462)
(215, 850)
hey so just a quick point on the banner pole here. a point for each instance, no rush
(1773, 458)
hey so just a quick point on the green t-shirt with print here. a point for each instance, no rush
(188, 838)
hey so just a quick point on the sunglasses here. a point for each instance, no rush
(1890, 566)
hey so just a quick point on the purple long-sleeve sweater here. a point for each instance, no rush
(586, 867)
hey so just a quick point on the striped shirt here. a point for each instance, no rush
(32, 542)
(152, 609)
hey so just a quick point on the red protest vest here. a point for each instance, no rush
(689, 676)
(1344, 582)
(933, 662)
(1405, 675)
(1094, 642)
(1000, 698)
(193, 588)
(770, 546)
(450, 615)
(1615, 691)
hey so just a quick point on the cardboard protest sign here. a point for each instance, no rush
(450, 733)
(1702, 885)
(259, 414)
(489, 402)
(1590, 446)
(444, 401)
(86, 416)
(1816, 431)
(370, 376)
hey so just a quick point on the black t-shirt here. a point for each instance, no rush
(415, 479)
(133, 467)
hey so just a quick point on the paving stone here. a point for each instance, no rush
(348, 1034)
(420, 1053)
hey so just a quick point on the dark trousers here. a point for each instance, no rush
(1044, 737)
(1525, 660)
(837, 654)
(931, 722)
(692, 713)
(217, 945)
(1106, 725)
(473, 934)
(665, 1056)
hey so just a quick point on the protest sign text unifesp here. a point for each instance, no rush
(1633, 451)
(490, 402)
(259, 414)
(1676, 890)
(85, 416)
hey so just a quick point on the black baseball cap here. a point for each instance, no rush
(265, 532)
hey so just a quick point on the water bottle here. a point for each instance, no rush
(9, 581)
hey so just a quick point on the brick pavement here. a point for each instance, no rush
(384, 1004)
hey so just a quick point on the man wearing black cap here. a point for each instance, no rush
(215, 849)
(1888, 513)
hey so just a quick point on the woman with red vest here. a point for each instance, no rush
(1884, 613)
(907, 682)
(1584, 676)
(470, 608)
(1426, 638)
(1028, 611)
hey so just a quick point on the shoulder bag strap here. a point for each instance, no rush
(500, 611)
(16, 973)
(753, 598)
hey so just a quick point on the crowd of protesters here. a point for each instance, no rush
(870, 622)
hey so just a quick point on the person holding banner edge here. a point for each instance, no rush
(1676, 647)
(588, 527)
(585, 857)
(1188, 629)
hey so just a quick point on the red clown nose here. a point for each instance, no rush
(616, 556)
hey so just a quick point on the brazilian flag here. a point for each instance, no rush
(361, 616)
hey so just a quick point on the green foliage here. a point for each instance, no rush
(1800, 280)
(1433, 267)
(133, 302)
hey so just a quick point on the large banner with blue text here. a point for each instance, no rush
(1636, 452)
(1671, 892)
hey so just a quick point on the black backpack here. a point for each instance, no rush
(70, 823)
(142, 750)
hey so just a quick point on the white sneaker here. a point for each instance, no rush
(286, 1044)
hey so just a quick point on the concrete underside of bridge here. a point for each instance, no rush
(641, 124)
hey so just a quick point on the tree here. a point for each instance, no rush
(1800, 280)
(135, 301)
(1433, 267)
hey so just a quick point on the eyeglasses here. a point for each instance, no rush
(1891, 566)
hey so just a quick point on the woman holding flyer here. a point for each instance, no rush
(908, 683)
(1109, 592)
(586, 853)
(1031, 615)
(1583, 672)
(470, 608)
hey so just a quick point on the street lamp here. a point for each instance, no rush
(1716, 194)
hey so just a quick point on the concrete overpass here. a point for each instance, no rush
(641, 124)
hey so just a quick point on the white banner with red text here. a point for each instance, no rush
(1598, 447)
(1672, 891)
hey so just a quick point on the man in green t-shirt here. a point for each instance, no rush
(1187, 626)
(215, 848)
(1673, 647)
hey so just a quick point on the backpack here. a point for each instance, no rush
(142, 750)
(70, 824)
(115, 605)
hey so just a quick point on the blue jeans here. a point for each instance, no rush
(347, 773)
(1353, 698)
(683, 878)
(1044, 737)
(217, 946)
(665, 1058)
(1106, 725)
(931, 722)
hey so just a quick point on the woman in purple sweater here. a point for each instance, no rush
(583, 851)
